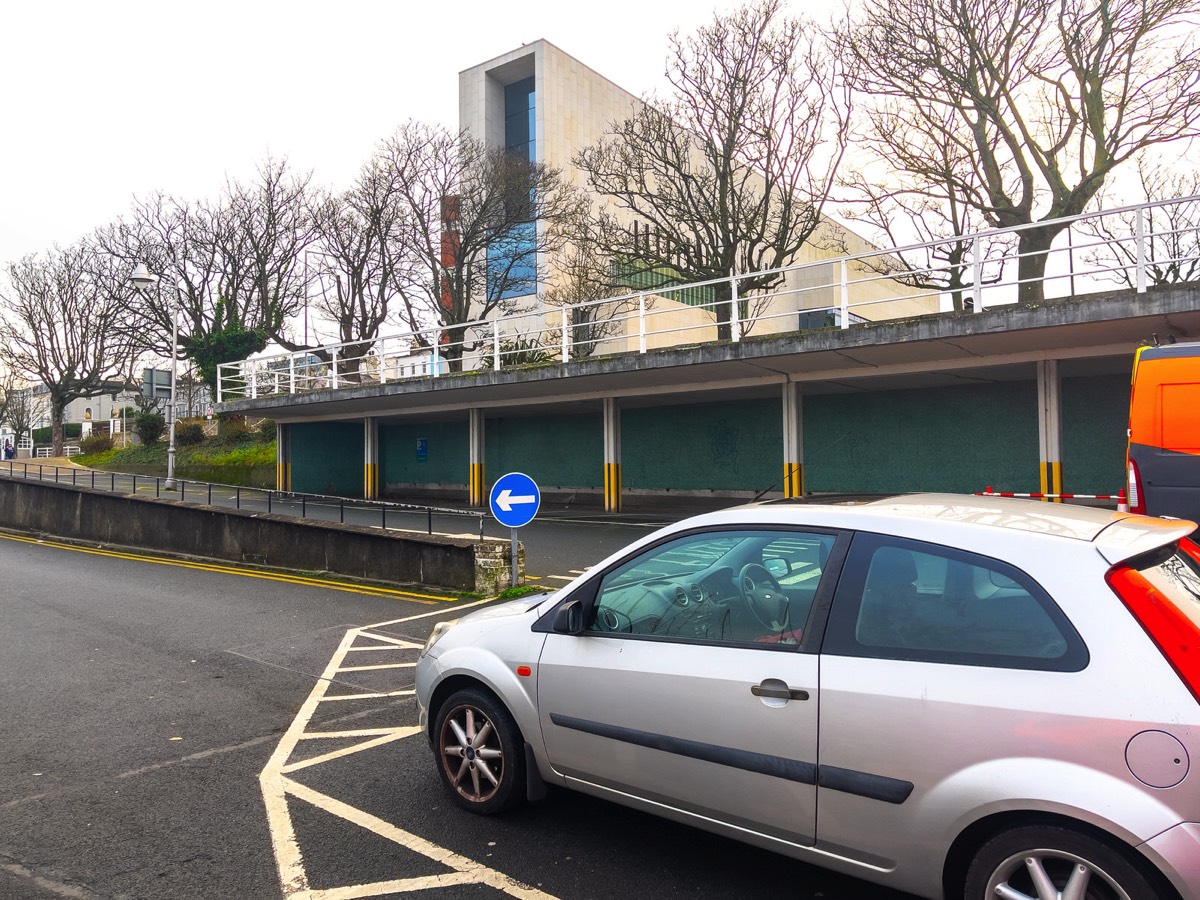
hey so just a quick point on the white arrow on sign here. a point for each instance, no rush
(505, 499)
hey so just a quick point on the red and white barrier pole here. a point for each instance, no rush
(1120, 497)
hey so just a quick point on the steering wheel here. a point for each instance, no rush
(763, 595)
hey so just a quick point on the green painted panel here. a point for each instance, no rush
(1095, 418)
(948, 439)
(446, 459)
(555, 451)
(327, 458)
(712, 446)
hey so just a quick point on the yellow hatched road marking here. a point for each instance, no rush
(401, 665)
(277, 788)
(407, 693)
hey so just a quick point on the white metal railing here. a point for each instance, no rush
(1134, 246)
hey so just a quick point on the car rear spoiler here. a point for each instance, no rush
(1134, 535)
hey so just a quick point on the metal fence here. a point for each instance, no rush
(1133, 247)
(377, 513)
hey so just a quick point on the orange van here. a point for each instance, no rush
(1163, 459)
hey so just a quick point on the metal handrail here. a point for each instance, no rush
(183, 486)
(855, 288)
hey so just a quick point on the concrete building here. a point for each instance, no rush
(106, 412)
(539, 100)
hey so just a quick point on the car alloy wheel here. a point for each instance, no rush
(479, 752)
(1052, 863)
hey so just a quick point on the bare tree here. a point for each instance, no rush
(1172, 242)
(903, 211)
(583, 279)
(1037, 100)
(231, 267)
(357, 250)
(271, 225)
(19, 411)
(729, 176)
(66, 325)
(477, 224)
(16, 404)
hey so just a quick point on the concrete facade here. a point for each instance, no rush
(575, 106)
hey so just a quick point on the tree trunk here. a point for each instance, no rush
(57, 408)
(1033, 247)
(722, 295)
(452, 351)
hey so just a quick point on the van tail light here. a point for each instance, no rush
(1176, 636)
(1137, 498)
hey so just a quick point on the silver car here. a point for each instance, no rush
(952, 696)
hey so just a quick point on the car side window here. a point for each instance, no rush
(739, 587)
(910, 600)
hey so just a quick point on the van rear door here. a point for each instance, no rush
(1164, 432)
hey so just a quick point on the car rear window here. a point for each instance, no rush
(1175, 573)
(910, 600)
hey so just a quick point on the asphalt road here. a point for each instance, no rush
(175, 731)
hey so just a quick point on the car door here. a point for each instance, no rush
(688, 683)
(936, 661)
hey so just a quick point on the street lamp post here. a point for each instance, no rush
(142, 281)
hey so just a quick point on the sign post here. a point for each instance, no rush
(514, 502)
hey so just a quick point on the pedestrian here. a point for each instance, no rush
(9, 450)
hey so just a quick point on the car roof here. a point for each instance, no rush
(1117, 535)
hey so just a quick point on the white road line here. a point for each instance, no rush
(562, 577)
(54, 887)
(30, 799)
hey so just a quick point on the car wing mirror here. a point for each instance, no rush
(777, 566)
(568, 618)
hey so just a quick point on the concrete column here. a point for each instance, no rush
(612, 454)
(370, 458)
(1050, 427)
(793, 440)
(283, 457)
(477, 494)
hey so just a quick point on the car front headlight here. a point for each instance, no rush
(436, 635)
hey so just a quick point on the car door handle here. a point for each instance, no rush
(783, 693)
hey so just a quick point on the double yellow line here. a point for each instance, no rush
(348, 587)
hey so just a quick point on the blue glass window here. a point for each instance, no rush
(514, 260)
(519, 108)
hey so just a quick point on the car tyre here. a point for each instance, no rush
(1038, 862)
(480, 752)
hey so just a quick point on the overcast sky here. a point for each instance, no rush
(104, 101)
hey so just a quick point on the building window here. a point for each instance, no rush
(520, 104)
(514, 261)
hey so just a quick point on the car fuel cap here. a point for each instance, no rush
(1157, 759)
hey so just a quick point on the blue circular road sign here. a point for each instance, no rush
(515, 499)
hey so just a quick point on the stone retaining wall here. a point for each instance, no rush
(285, 542)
